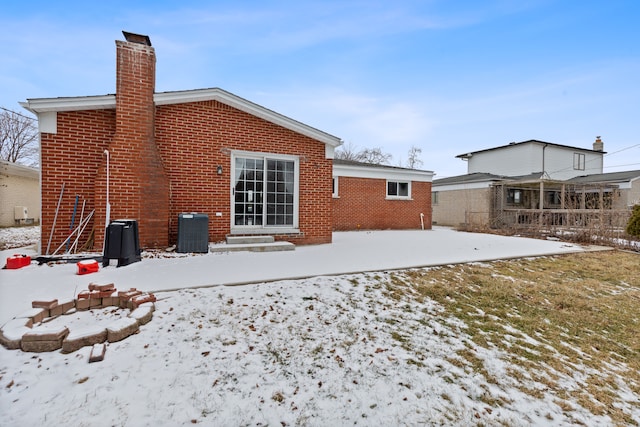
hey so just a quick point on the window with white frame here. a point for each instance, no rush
(334, 191)
(434, 197)
(578, 161)
(265, 190)
(398, 189)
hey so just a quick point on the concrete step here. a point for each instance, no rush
(245, 240)
(253, 247)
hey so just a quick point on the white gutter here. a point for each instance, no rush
(382, 172)
(102, 102)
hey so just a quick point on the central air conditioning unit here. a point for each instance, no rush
(20, 213)
(193, 233)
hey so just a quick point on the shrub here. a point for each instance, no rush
(633, 226)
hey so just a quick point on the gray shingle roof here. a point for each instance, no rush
(624, 176)
(372, 165)
(483, 177)
(530, 141)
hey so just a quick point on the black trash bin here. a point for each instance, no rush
(193, 233)
(122, 242)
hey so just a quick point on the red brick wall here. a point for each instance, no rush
(72, 156)
(195, 138)
(162, 161)
(362, 204)
(138, 187)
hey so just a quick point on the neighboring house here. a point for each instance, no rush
(463, 199)
(556, 161)
(627, 185)
(367, 196)
(19, 193)
(151, 156)
(558, 194)
(584, 201)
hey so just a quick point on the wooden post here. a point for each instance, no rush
(541, 202)
(601, 202)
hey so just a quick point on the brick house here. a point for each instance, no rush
(150, 156)
(378, 197)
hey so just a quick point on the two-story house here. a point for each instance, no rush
(534, 183)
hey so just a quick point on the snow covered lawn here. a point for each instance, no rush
(367, 349)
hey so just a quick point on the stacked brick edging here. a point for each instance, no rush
(18, 333)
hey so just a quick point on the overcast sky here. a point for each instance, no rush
(446, 76)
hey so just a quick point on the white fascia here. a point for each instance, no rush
(381, 172)
(43, 105)
(217, 94)
(15, 169)
(46, 109)
(462, 186)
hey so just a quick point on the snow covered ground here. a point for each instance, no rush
(18, 237)
(350, 252)
(312, 340)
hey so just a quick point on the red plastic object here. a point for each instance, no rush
(88, 266)
(18, 261)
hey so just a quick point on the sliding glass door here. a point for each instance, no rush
(265, 191)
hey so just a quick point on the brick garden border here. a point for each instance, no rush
(18, 333)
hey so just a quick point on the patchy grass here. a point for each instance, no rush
(570, 316)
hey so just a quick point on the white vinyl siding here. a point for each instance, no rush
(524, 159)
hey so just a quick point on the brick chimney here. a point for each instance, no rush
(138, 183)
(598, 145)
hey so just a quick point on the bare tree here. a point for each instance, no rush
(18, 138)
(374, 156)
(347, 151)
(414, 162)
